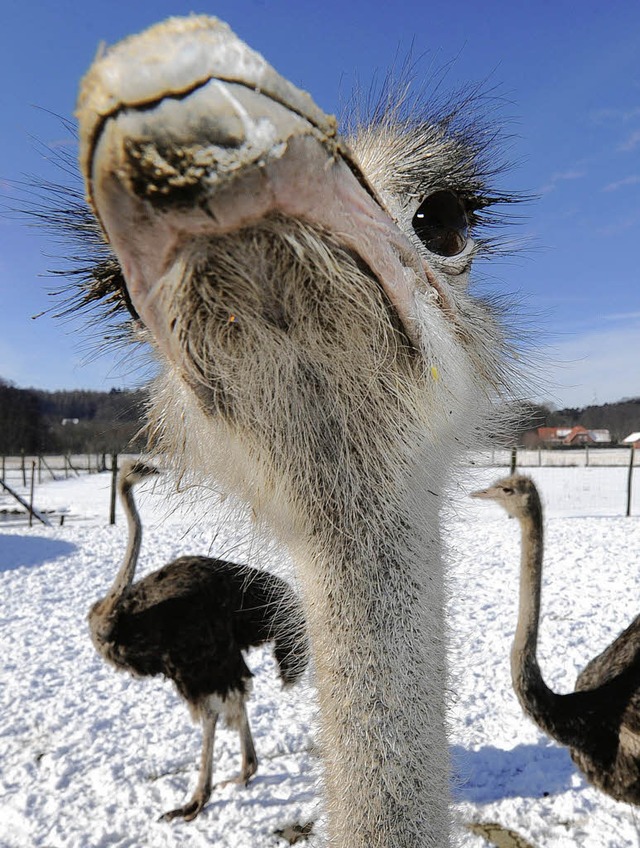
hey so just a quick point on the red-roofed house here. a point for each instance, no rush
(569, 436)
(578, 436)
(552, 435)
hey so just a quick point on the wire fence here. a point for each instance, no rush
(17, 470)
(576, 482)
(21, 479)
(584, 457)
(583, 482)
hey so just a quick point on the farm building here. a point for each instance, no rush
(566, 437)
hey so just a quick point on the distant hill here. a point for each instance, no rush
(79, 421)
(76, 421)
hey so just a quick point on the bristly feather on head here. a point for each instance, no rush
(400, 133)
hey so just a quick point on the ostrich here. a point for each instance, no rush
(321, 357)
(600, 721)
(190, 621)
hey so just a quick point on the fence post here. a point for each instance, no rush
(114, 477)
(24, 470)
(629, 479)
(33, 475)
(514, 459)
(48, 467)
(3, 466)
(586, 456)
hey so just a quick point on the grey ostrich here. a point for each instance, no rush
(322, 358)
(190, 621)
(600, 721)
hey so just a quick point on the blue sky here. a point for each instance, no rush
(569, 78)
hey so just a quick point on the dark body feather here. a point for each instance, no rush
(612, 681)
(600, 721)
(191, 620)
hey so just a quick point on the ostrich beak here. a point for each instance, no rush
(480, 493)
(186, 133)
(485, 494)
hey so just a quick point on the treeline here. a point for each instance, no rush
(38, 422)
(621, 418)
(31, 420)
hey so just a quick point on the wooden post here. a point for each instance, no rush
(33, 476)
(539, 457)
(3, 466)
(114, 478)
(39, 469)
(514, 459)
(48, 467)
(586, 456)
(22, 502)
(629, 479)
(24, 470)
(66, 470)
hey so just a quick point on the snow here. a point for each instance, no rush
(91, 757)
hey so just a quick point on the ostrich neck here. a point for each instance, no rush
(534, 695)
(376, 624)
(526, 636)
(126, 573)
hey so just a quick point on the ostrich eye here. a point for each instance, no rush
(441, 223)
(507, 490)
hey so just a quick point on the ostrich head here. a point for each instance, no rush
(224, 191)
(322, 357)
(516, 494)
(133, 471)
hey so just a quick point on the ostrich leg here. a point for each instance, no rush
(209, 717)
(249, 757)
(237, 717)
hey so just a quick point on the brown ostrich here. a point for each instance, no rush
(600, 721)
(190, 621)
(322, 358)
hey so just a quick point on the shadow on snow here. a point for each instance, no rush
(526, 771)
(29, 551)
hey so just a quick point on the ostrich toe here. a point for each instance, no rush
(190, 810)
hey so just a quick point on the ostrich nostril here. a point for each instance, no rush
(205, 115)
(178, 150)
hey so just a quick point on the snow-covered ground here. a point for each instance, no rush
(89, 758)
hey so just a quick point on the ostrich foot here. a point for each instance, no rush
(240, 780)
(248, 770)
(189, 811)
